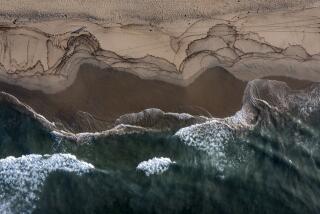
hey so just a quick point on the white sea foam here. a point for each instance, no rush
(155, 165)
(210, 137)
(181, 116)
(21, 179)
(307, 102)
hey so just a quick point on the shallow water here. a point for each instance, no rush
(271, 168)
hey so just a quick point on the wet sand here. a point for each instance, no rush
(107, 94)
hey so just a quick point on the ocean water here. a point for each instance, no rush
(272, 167)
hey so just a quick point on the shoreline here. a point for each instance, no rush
(258, 94)
(100, 96)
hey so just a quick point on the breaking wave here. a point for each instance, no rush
(155, 165)
(265, 158)
(21, 178)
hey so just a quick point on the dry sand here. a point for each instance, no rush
(142, 10)
(45, 54)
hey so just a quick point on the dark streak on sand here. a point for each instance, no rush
(107, 94)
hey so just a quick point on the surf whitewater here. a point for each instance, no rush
(264, 159)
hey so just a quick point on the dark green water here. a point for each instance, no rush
(273, 168)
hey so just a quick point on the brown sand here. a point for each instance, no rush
(107, 94)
